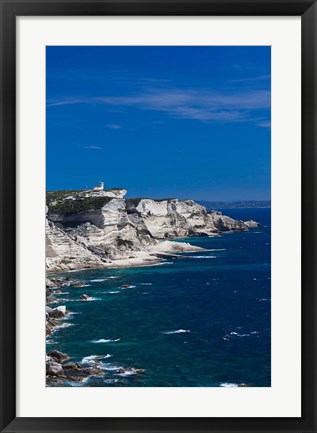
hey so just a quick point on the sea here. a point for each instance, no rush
(201, 320)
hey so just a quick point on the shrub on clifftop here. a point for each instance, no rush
(77, 205)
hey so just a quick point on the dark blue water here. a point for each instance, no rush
(202, 320)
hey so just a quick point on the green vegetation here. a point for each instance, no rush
(59, 195)
(78, 205)
(68, 202)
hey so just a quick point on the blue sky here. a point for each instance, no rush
(185, 122)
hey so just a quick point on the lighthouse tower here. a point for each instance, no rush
(99, 187)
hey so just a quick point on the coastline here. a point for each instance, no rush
(122, 234)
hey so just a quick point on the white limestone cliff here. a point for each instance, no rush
(90, 229)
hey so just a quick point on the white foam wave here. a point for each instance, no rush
(178, 331)
(110, 367)
(98, 280)
(49, 341)
(91, 359)
(64, 325)
(111, 381)
(112, 277)
(128, 287)
(202, 257)
(229, 385)
(114, 291)
(59, 300)
(146, 284)
(102, 340)
(71, 313)
(92, 298)
(78, 384)
(237, 334)
(68, 300)
(127, 373)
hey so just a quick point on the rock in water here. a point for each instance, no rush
(77, 284)
(59, 356)
(54, 369)
(58, 312)
(62, 309)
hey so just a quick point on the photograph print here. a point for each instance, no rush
(158, 216)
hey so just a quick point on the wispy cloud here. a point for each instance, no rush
(92, 147)
(184, 103)
(264, 124)
(257, 78)
(114, 126)
(96, 75)
(67, 101)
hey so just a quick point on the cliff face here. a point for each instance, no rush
(99, 229)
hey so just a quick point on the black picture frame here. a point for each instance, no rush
(10, 9)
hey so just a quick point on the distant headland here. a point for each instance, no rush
(235, 204)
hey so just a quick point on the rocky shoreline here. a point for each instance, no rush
(60, 367)
(57, 369)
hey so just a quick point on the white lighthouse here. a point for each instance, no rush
(99, 187)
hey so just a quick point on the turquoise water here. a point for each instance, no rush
(202, 320)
